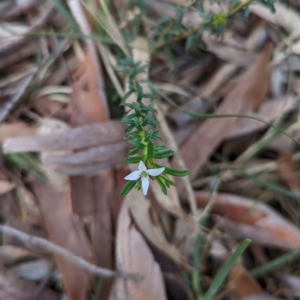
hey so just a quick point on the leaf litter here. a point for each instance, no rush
(59, 112)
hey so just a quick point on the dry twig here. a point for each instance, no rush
(48, 246)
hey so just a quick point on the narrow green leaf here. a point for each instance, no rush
(153, 136)
(276, 264)
(163, 154)
(150, 150)
(137, 124)
(161, 184)
(156, 138)
(153, 122)
(137, 144)
(131, 135)
(177, 173)
(126, 96)
(160, 147)
(147, 119)
(139, 93)
(128, 118)
(151, 96)
(129, 128)
(27, 162)
(127, 188)
(134, 151)
(223, 272)
(134, 159)
(168, 182)
(136, 108)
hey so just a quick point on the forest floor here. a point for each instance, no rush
(227, 105)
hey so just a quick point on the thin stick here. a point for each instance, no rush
(48, 246)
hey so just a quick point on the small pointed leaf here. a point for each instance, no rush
(134, 159)
(177, 173)
(163, 154)
(127, 188)
(150, 151)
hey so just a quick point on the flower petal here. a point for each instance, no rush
(145, 185)
(142, 167)
(155, 172)
(133, 176)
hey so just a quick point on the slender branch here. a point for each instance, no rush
(48, 246)
(195, 29)
(239, 7)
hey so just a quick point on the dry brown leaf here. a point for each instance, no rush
(184, 133)
(66, 231)
(108, 155)
(5, 187)
(94, 68)
(58, 75)
(15, 8)
(34, 270)
(26, 51)
(27, 205)
(48, 127)
(250, 219)
(13, 288)
(86, 104)
(241, 282)
(120, 174)
(248, 94)
(11, 47)
(184, 238)
(229, 54)
(168, 202)
(16, 129)
(73, 139)
(289, 172)
(221, 76)
(86, 169)
(267, 112)
(290, 281)
(23, 84)
(262, 296)
(48, 103)
(134, 256)
(10, 255)
(140, 208)
(284, 16)
(92, 197)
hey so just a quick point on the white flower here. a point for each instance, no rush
(143, 173)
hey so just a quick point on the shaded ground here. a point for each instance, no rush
(227, 107)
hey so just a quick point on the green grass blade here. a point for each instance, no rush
(275, 264)
(223, 272)
(26, 162)
(69, 34)
(196, 274)
(198, 255)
